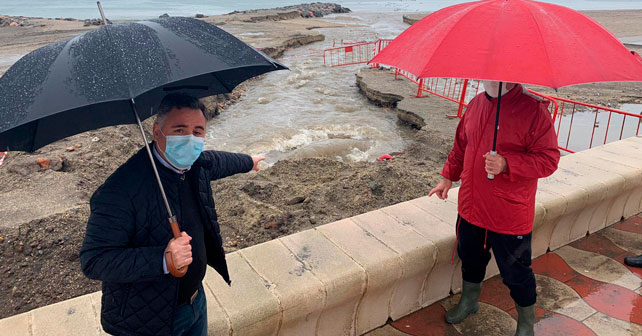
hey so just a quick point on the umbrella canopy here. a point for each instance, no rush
(88, 82)
(518, 41)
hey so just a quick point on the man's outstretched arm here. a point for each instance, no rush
(226, 164)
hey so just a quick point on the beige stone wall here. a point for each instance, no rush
(350, 276)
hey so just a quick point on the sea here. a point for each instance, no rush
(145, 9)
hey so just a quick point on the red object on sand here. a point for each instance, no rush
(43, 162)
(518, 41)
(385, 157)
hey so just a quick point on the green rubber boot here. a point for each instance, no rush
(525, 320)
(467, 304)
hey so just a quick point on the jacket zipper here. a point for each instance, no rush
(481, 137)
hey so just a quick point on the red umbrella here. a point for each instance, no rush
(517, 41)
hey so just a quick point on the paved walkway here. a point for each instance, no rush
(583, 289)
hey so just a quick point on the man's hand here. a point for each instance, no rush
(256, 160)
(495, 164)
(442, 189)
(181, 250)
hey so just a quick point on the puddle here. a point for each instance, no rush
(586, 125)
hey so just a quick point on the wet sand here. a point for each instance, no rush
(41, 234)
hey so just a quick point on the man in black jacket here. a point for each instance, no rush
(128, 235)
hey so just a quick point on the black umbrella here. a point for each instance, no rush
(107, 76)
(92, 78)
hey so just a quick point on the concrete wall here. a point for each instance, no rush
(348, 277)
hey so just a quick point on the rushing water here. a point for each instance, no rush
(142, 9)
(313, 110)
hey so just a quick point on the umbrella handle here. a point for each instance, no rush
(176, 272)
(491, 176)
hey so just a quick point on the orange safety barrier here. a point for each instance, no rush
(456, 90)
(461, 91)
(349, 55)
(353, 53)
(594, 120)
(2, 157)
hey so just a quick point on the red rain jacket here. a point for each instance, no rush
(526, 139)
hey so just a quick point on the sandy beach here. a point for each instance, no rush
(45, 210)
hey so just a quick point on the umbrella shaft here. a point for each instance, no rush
(499, 101)
(151, 159)
(102, 14)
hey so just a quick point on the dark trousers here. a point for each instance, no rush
(512, 253)
(191, 319)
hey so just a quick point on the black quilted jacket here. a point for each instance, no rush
(128, 231)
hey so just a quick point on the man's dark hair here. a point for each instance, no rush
(177, 100)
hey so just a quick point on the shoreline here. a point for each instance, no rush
(307, 10)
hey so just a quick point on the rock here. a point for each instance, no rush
(164, 16)
(14, 24)
(43, 162)
(57, 164)
(36, 268)
(313, 220)
(70, 149)
(1, 240)
(295, 200)
(95, 139)
(87, 23)
(200, 16)
(70, 19)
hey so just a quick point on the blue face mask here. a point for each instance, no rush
(182, 150)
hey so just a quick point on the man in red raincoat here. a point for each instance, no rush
(498, 214)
